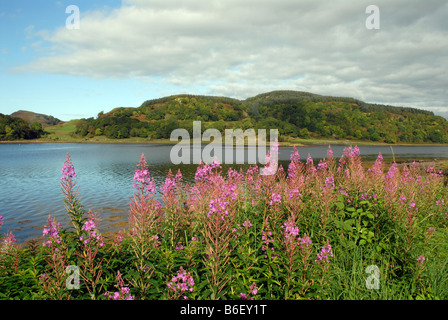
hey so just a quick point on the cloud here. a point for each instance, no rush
(240, 48)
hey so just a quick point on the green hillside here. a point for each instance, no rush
(297, 115)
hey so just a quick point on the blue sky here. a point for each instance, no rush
(129, 51)
(61, 95)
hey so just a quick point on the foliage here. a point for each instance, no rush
(306, 232)
(294, 114)
(13, 128)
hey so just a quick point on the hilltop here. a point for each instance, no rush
(32, 117)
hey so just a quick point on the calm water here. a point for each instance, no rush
(30, 176)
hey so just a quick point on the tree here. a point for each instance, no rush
(36, 130)
(436, 137)
(304, 133)
(358, 133)
(123, 133)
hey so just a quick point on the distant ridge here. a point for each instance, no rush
(295, 114)
(32, 117)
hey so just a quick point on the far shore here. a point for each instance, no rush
(302, 143)
(289, 143)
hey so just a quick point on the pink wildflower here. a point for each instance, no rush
(218, 205)
(392, 171)
(206, 171)
(181, 283)
(322, 165)
(295, 156)
(295, 164)
(293, 194)
(247, 224)
(253, 291)
(305, 242)
(376, 169)
(170, 183)
(402, 199)
(310, 165)
(221, 204)
(291, 230)
(51, 231)
(421, 259)
(325, 254)
(267, 241)
(271, 162)
(329, 183)
(351, 152)
(142, 176)
(276, 198)
(123, 293)
(88, 225)
(235, 175)
(68, 170)
(329, 153)
(8, 243)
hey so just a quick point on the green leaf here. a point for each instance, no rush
(350, 222)
(340, 205)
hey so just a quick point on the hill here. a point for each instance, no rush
(297, 115)
(32, 117)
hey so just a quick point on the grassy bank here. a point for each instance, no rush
(64, 133)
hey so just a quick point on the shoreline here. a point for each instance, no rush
(312, 142)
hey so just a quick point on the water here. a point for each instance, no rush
(30, 177)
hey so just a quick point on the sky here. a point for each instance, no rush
(126, 52)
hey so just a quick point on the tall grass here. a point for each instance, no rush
(310, 231)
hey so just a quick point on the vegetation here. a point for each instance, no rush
(32, 117)
(334, 230)
(300, 117)
(295, 114)
(13, 128)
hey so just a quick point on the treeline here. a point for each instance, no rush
(123, 127)
(294, 114)
(13, 128)
(156, 119)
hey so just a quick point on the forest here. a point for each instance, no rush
(295, 114)
(13, 128)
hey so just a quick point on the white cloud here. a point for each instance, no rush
(245, 47)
